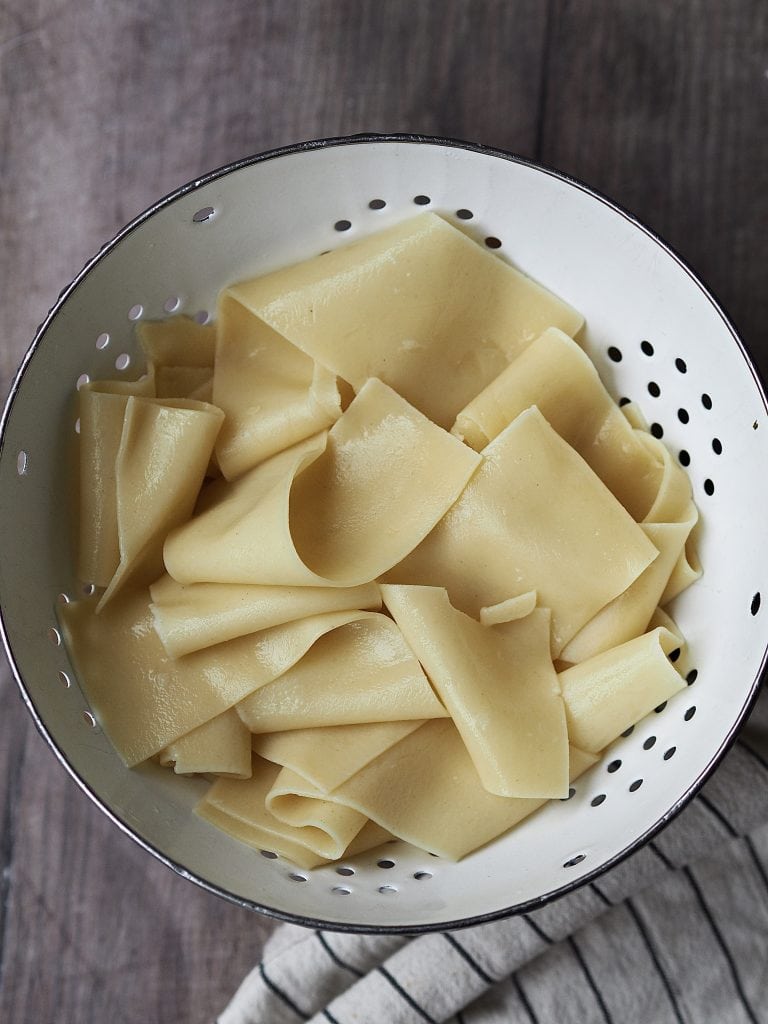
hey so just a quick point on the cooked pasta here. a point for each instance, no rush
(426, 587)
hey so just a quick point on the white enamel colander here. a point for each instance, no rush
(657, 336)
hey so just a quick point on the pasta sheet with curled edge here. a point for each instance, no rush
(261, 655)
(450, 816)
(533, 517)
(329, 755)
(611, 691)
(221, 746)
(102, 412)
(165, 449)
(160, 699)
(180, 353)
(273, 394)
(179, 341)
(668, 524)
(555, 374)
(499, 686)
(188, 618)
(337, 510)
(419, 305)
(364, 671)
(328, 831)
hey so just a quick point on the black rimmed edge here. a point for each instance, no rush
(309, 922)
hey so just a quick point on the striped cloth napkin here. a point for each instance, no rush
(676, 933)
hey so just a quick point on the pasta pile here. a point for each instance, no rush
(376, 552)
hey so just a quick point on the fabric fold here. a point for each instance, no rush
(489, 973)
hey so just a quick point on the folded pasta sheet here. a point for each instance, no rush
(178, 341)
(628, 614)
(102, 411)
(556, 375)
(673, 496)
(608, 693)
(221, 746)
(509, 610)
(534, 517)
(363, 671)
(182, 381)
(146, 700)
(294, 801)
(270, 835)
(419, 305)
(332, 511)
(165, 449)
(426, 790)
(498, 685)
(329, 830)
(188, 618)
(406, 416)
(272, 393)
(668, 523)
(328, 756)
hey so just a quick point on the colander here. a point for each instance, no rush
(657, 336)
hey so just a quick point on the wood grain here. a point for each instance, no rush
(664, 107)
(105, 106)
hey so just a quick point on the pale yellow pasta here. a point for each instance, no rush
(525, 558)
(419, 305)
(533, 517)
(102, 411)
(179, 341)
(337, 510)
(158, 699)
(182, 381)
(204, 393)
(273, 394)
(263, 833)
(499, 687)
(556, 375)
(509, 610)
(449, 815)
(188, 618)
(277, 837)
(362, 672)
(330, 755)
(332, 827)
(672, 498)
(165, 449)
(608, 693)
(296, 802)
(221, 746)
(664, 619)
(628, 614)
(686, 571)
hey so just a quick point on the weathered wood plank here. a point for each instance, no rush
(664, 107)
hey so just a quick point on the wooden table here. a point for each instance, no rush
(105, 106)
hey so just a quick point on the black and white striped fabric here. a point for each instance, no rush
(676, 933)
